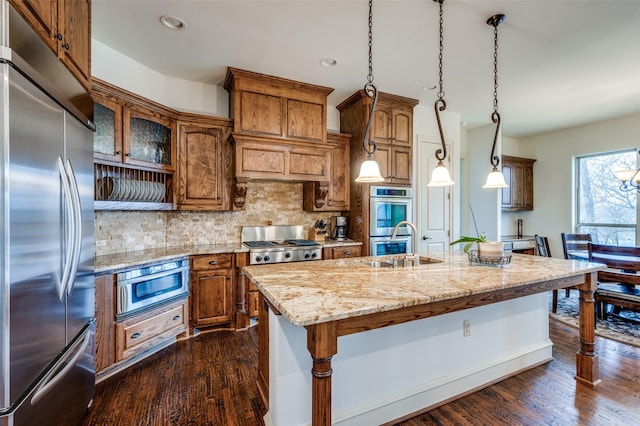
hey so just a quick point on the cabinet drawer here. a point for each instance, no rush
(211, 261)
(344, 252)
(139, 334)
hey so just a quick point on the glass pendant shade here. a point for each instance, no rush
(625, 175)
(495, 180)
(440, 176)
(369, 172)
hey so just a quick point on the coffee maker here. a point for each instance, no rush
(339, 228)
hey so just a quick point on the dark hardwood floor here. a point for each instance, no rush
(210, 380)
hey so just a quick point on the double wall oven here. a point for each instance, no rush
(389, 205)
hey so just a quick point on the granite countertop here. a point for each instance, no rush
(516, 238)
(314, 292)
(120, 261)
(117, 262)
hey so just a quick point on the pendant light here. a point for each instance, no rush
(495, 178)
(440, 175)
(369, 170)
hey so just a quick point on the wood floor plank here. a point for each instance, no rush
(211, 380)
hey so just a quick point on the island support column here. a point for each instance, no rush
(322, 343)
(587, 364)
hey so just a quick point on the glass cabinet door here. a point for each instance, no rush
(107, 139)
(148, 139)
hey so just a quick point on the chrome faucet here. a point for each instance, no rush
(411, 258)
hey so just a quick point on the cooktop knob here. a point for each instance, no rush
(287, 255)
(314, 254)
(307, 255)
(266, 258)
(258, 258)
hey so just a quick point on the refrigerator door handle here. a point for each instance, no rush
(52, 380)
(77, 226)
(66, 192)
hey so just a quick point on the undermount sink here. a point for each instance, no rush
(378, 263)
(396, 261)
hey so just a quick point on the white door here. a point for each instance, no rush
(433, 203)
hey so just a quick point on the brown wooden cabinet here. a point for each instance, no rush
(105, 326)
(142, 332)
(212, 290)
(65, 27)
(257, 157)
(518, 173)
(205, 159)
(341, 252)
(334, 195)
(276, 107)
(134, 151)
(391, 130)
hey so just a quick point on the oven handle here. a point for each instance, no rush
(148, 277)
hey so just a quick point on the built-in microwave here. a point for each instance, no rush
(383, 246)
(145, 288)
(389, 205)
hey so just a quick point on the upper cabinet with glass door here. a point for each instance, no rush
(135, 133)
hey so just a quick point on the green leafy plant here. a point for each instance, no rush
(470, 241)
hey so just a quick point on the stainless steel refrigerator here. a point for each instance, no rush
(47, 345)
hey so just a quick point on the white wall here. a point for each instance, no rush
(183, 95)
(188, 96)
(553, 170)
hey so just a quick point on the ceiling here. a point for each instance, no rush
(561, 63)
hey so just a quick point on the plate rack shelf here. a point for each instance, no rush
(117, 187)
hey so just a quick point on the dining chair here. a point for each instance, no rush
(574, 246)
(617, 284)
(542, 248)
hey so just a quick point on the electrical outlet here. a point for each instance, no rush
(466, 328)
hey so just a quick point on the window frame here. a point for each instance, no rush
(579, 226)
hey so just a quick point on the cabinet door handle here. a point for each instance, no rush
(66, 46)
(213, 262)
(176, 318)
(425, 238)
(135, 335)
(118, 152)
(59, 36)
(347, 253)
(128, 154)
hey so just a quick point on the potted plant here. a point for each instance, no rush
(485, 248)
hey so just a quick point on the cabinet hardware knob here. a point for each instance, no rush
(66, 46)
(135, 335)
(213, 262)
(59, 36)
(118, 152)
(176, 318)
(128, 154)
(347, 253)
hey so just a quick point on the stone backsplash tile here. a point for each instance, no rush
(268, 203)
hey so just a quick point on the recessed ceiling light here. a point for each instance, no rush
(328, 62)
(172, 22)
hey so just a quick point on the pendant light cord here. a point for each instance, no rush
(371, 90)
(440, 104)
(495, 116)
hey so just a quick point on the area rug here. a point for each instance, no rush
(613, 327)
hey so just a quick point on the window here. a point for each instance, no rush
(602, 209)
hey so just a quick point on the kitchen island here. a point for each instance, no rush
(410, 338)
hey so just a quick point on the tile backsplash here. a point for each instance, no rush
(268, 202)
